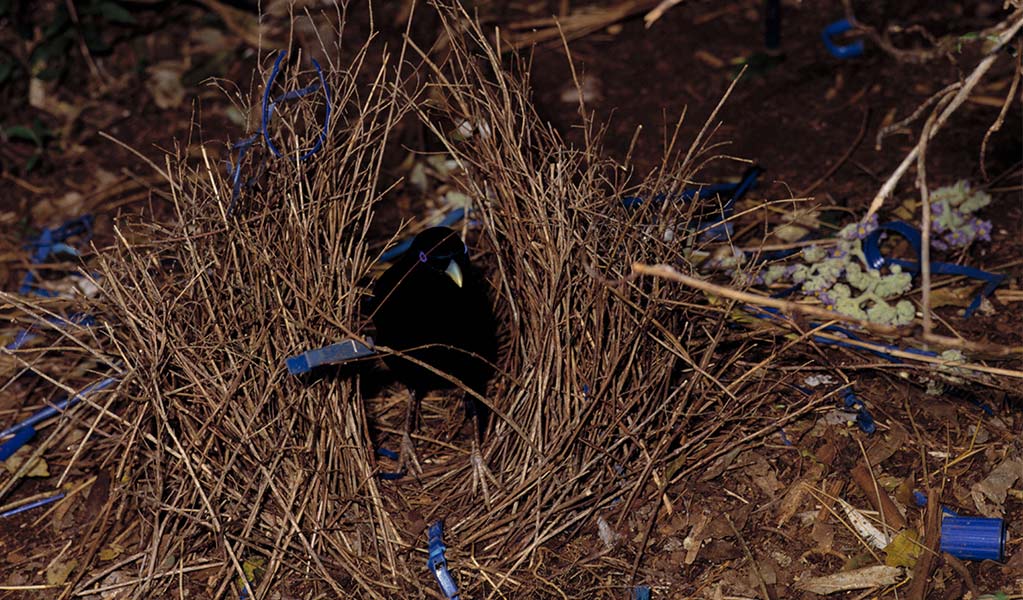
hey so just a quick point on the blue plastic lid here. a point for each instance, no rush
(973, 538)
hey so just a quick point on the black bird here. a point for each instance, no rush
(431, 306)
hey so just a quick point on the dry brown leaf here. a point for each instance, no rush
(57, 573)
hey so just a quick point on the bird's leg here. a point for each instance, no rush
(407, 455)
(482, 477)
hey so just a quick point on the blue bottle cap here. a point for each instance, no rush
(973, 538)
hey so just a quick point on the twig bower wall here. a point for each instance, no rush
(611, 392)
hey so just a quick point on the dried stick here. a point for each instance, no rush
(964, 92)
(1001, 117)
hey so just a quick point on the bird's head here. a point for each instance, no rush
(440, 249)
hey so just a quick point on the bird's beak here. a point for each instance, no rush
(454, 272)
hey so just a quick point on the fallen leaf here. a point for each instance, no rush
(38, 468)
(111, 552)
(860, 579)
(960, 297)
(694, 540)
(995, 487)
(57, 573)
(164, 84)
(866, 530)
(904, 550)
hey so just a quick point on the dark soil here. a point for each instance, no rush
(797, 119)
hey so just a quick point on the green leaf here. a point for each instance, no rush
(51, 72)
(21, 132)
(60, 21)
(6, 69)
(116, 13)
(95, 42)
(33, 161)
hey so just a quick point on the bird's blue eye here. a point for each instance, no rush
(422, 257)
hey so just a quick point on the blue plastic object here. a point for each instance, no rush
(437, 564)
(268, 106)
(864, 419)
(876, 260)
(389, 475)
(26, 335)
(717, 227)
(234, 170)
(852, 50)
(21, 437)
(772, 25)
(58, 407)
(329, 355)
(641, 592)
(54, 241)
(973, 538)
(31, 505)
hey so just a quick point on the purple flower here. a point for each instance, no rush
(867, 227)
(983, 230)
(826, 300)
(937, 209)
(956, 238)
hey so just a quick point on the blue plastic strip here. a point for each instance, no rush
(329, 355)
(57, 407)
(713, 228)
(772, 25)
(31, 505)
(876, 260)
(389, 475)
(268, 106)
(25, 335)
(21, 437)
(641, 592)
(437, 564)
(852, 50)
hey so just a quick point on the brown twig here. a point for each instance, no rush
(971, 81)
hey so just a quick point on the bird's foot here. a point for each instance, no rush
(482, 477)
(407, 458)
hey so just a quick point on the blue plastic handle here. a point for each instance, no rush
(852, 50)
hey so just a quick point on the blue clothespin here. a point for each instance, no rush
(852, 50)
(329, 355)
(437, 564)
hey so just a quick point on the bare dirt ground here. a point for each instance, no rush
(759, 520)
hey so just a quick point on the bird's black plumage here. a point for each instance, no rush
(432, 305)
